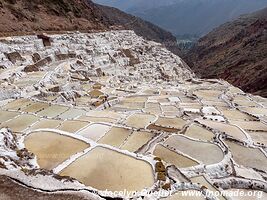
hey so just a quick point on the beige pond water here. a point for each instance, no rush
(53, 111)
(21, 122)
(35, 107)
(169, 109)
(177, 123)
(6, 115)
(104, 113)
(251, 125)
(111, 170)
(139, 120)
(202, 181)
(46, 123)
(72, 113)
(259, 195)
(185, 196)
(72, 126)
(236, 115)
(255, 110)
(206, 152)
(137, 140)
(131, 105)
(215, 103)
(172, 157)
(94, 131)
(248, 157)
(17, 104)
(208, 94)
(245, 103)
(153, 110)
(258, 137)
(116, 136)
(198, 132)
(228, 129)
(97, 119)
(135, 99)
(56, 148)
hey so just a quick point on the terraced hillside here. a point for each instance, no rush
(20, 17)
(84, 113)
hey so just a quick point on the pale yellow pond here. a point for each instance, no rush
(198, 132)
(140, 120)
(21, 122)
(206, 152)
(137, 140)
(248, 157)
(116, 136)
(172, 157)
(52, 149)
(105, 169)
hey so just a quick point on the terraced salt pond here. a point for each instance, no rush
(248, 157)
(228, 129)
(208, 94)
(17, 104)
(259, 137)
(72, 126)
(111, 170)
(7, 115)
(139, 120)
(168, 124)
(251, 125)
(72, 113)
(96, 119)
(94, 131)
(116, 136)
(46, 123)
(205, 152)
(235, 115)
(56, 148)
(198, 132)
(255, 110)
(53, 111)
(202, 181)
(35, 107)
(137, 140)
(172, 157)
(21, 122)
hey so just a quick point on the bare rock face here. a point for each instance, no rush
(12, 155)
(236, 52)
(14, 57)
(36, 57)
(37, 66)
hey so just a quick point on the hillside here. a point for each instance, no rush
(18, 17)
(236, 52)
(187, 17)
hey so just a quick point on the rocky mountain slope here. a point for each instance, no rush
(22, 16)
(236, 52)
(187, 17)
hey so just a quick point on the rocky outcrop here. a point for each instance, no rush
(236, 52)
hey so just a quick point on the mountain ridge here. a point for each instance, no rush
(23, 17)
(235, 51)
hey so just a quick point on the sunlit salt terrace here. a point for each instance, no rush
(101, 112)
